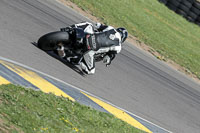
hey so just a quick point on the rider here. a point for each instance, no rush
(110, 41)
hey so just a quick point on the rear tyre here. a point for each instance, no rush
(196, 4)
(192, 15)
(195, 10)
(181, 12)
(48, 42)
(171, 6)
(187, 3)
(174, 2)
(190, 19)
(184, 8)
(163, 1)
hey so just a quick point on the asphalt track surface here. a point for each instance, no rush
(135, 81)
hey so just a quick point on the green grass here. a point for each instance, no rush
(29, 111)
(154, 24)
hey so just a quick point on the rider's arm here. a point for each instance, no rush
(112, 54)
(118, 47)
(113, 50)
(100, 27)
(81, 25)
(109, 57)
(86, 26)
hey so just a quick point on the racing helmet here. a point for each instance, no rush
(123, 32)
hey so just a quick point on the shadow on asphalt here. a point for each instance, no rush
(52, 54)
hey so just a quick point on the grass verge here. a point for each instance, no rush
(29, 111)
(154, 24)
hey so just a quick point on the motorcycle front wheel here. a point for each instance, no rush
(48, 42)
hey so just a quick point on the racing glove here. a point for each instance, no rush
(100, 27)
(109, 57)
(97, 25)
(107, 60)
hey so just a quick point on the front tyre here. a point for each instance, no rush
(48, 42)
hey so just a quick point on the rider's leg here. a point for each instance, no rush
(88, 64)
(85, 69)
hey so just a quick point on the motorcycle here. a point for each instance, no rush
(75, 41)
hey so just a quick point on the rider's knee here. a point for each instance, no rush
(85, 69)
